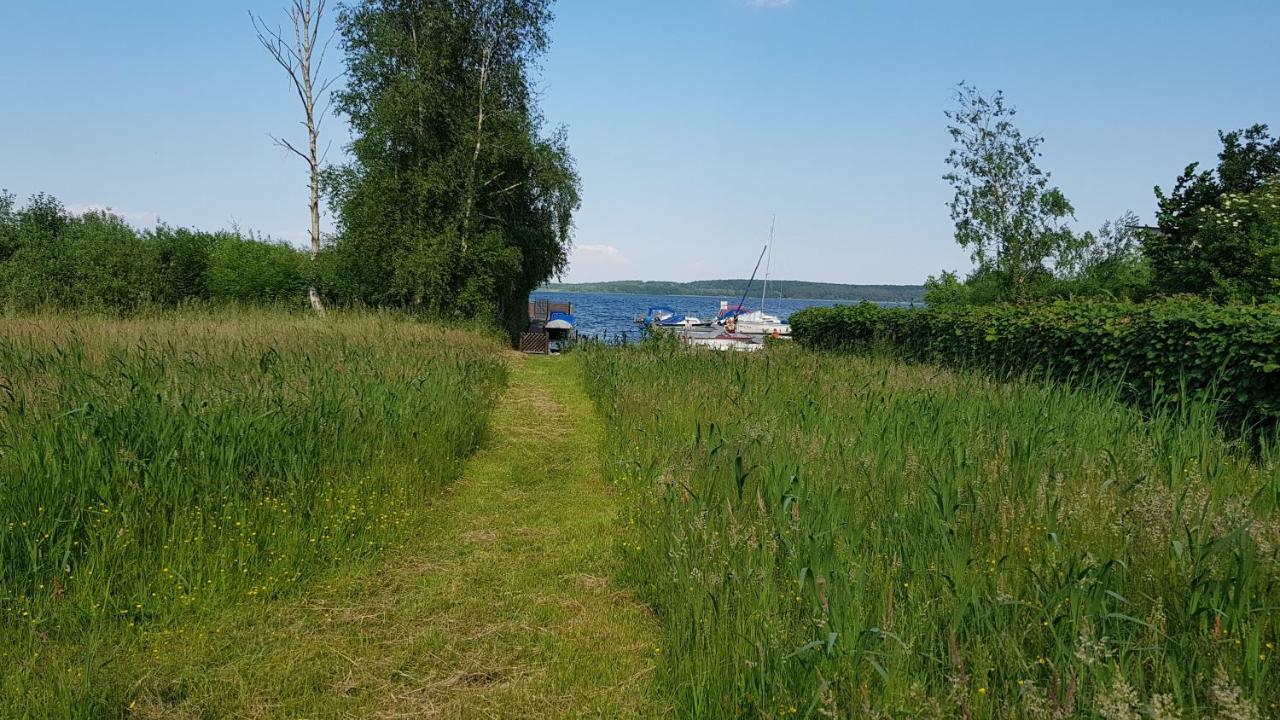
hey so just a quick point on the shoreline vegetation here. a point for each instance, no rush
(795, 533)
(785, 289)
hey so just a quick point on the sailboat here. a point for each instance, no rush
(755, 322)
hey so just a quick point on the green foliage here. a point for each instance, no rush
(1219, 231)
(1218, 236)
(1159, 352)
(980, 288)
(1107, 264)
(156, 467)
(247, 270)
(8, 225)
(49, 257)
(829, 536)
(455, 201)
(53, 258)
(1005, 211)
(1013, 221)
(180, 260)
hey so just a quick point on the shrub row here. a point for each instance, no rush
(1154, 351)
(52, 257)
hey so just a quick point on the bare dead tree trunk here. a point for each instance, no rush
(303, 59)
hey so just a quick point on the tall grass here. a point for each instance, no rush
(832, 536)
(154, 466)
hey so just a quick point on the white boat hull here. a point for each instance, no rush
(724, 344)
(762, 328)
(721, 341)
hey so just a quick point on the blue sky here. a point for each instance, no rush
(693, 121)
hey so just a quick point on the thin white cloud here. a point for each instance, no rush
(771, 3)
(144, 219)
(296, 238)
(600, 255)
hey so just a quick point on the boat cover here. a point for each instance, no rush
(734, 311)
(663, 315)
(560, 321)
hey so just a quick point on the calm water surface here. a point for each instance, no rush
(610, 315)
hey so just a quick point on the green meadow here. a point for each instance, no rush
(824, 535)
(158, 469)
(296, 469)
(274, 515)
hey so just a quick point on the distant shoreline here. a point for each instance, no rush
(787, 289)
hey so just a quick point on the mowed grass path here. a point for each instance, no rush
(502, 606)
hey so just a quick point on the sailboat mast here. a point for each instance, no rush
(772, 223)
(747, 290)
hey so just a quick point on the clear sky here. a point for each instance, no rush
(693, 121)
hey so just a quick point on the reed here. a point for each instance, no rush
(152, 467)
(833, 536)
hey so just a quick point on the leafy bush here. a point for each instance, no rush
(1235, 247)
(1107, 264)
(50, 257)
(180, 264)
(1219, 230)
(1175, 348)
(54, 258)
(245, 270)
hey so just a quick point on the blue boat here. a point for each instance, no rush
(663, 316)
(559, 321)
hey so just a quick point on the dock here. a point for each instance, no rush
(551, 326)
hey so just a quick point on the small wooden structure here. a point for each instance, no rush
(535, 343)
(549, 325)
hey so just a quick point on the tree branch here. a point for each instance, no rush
(289, 146)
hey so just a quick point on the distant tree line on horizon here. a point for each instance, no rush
(795, 289)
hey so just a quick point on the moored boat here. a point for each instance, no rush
(722, 340)
(666, 317)
(751, 322)
(738, 319)
(552, 327)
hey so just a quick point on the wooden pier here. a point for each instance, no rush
(541, 339)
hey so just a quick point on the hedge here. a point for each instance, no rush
(1167, 349)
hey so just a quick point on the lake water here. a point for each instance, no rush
(611, 315)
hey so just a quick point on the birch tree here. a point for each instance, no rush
(456, 199)
(302, 59)
(1006, 213)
